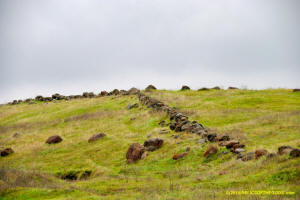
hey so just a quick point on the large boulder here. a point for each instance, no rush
(103, 93)
(57, 96)
(153, 144)
(134, 152)
(185, 87)
(149, 88)
(96, 137)
(115, 92)
(54, 139)
(6, 152)
(216, 88)
(211, 150)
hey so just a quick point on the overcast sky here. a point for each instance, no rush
(71, 46)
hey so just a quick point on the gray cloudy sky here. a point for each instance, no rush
(71, 46)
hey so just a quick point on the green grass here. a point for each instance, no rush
(262, 119)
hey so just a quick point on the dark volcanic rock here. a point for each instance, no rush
(222, 137)
(96, 137)
(54, 139)
(134, 152)
(57, 96)
(153, 144)
(150, 87)
(211, 137)
(6, 152)
(185, 87)
(211, 150)
(231, 143)
(115, 92)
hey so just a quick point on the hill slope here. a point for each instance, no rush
(264, 119)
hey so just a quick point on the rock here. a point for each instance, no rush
(181, 155)
(131, 106)
(149, 88)
(260, 152)
(172, 126)
(96, 137)
(134, 152)
(164, 131)
(115, 92)
(88, 94)
(153, 144)
(284, 150)
(39, 98)
(54, 139)
(133, 91)
(222, 137)
(248, 156)
(216, 88)
(295, 153)
(296, 90)
(6, 152)
(149, 135)
(211, 137)
(57, 96)
(211, 150)
(124, 92)
(185, 87)
(103, 93)
(203, 89)
(201, 141)
(229, 144)
(238, 150)
(232, 88)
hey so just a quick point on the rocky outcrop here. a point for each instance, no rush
(149, 88)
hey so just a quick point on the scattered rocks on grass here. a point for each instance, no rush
(134, 152)
(96, 137)
(54, 139)
(153, 144)
(6, 152)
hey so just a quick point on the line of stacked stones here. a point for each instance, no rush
(57, 96)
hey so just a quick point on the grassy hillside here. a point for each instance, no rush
(261, 119)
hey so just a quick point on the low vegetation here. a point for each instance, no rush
(78, 169)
